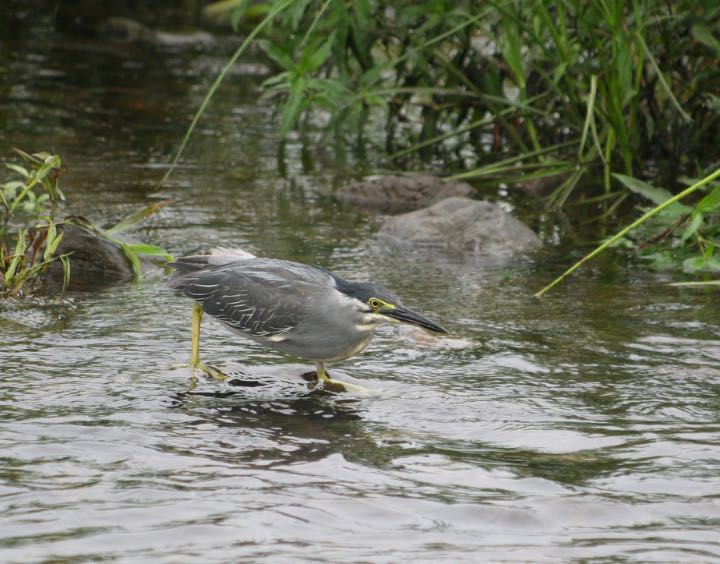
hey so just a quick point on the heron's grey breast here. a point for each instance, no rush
(333, 329)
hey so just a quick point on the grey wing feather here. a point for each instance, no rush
(262, 297)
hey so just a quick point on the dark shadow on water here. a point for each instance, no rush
(276, 404)
(306, 426)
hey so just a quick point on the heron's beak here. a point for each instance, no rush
(406, 315)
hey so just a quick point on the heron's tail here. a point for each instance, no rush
(187, 268)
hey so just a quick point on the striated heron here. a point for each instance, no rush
(300, 310)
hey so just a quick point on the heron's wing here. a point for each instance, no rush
(262, 297)
(186, 267)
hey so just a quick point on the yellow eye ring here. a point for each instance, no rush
(374, 303)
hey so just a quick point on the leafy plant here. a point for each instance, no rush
(564, 90)
(681, 236)
(701, 222)
(568, 89)
(135, 251)
(31, 233)
(26, 253)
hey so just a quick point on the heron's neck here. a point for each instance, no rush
(368, 322)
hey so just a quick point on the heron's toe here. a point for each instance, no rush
(211, 371)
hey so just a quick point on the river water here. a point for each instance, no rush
(585, 426)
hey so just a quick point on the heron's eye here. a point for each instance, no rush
(374, 303)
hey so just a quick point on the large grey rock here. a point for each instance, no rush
(397, 194)
(459, 227)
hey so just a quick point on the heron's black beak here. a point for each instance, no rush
(405, 315)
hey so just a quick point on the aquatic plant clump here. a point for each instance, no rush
(29, 236)
(32, 236)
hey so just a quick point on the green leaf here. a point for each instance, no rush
(50, 241)
(136, 217)
(297, 11)
(655, 195)
(22, 171)
(693, 264)
(148, 250)
(55, 244)
(282, 58)
(711, 202)
(700, 263)
(291, 112)
(512, 52)
(696, 220)
(66, 270)
(318, 57)
(709, 251)
(705, 36)
(134, 260)
(277, 83)
(362, 12)
(9, 190)
(20, 247)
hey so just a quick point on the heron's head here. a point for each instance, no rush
(381, 305)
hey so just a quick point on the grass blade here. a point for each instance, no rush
(698, 284)
(215, 85)
(620, 234)
(589, 116)
(661, 78)
(136, 217)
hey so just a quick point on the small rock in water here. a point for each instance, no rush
(132, 31)
(459, 227)
(125, 29)
(541, 187)
(397, 194)
(91, 256)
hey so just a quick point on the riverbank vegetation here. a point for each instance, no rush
(29, 236)
(569, 89)
(593, 107)
(584, 102)
(31, 231)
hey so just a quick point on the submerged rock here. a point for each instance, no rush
(541, 187)
(132, 31)
(397, 194)
(459, 227)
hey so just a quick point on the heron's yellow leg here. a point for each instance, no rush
(322, 376)
(195, 363)
(197, 314)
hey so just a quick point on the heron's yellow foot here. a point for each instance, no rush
(209, 370)
(324, 382)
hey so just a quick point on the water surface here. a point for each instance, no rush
(582, 427)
